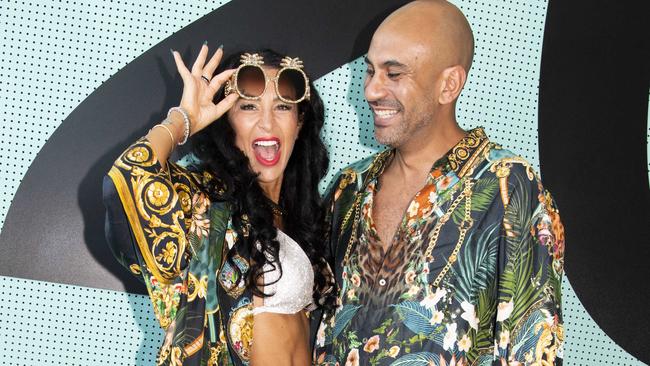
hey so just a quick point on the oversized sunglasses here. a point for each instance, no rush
(250, 80)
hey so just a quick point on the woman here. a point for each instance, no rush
(229, 245)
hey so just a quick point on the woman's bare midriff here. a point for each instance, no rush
(281, 339)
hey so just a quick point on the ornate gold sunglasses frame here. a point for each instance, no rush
(255, 60)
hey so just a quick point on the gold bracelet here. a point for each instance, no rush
(171, 135)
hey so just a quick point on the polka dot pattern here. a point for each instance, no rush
(44, 323)
(587, 344)
(55, 53)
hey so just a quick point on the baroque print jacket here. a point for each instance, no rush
(472, 276)
(163, 228)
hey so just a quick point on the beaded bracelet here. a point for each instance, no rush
(186, 121)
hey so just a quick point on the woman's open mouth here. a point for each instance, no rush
(267, 150)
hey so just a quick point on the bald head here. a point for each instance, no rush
(435, 25)
(418, 62)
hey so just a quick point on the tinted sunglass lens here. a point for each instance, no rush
(291, 84)
(251, 81)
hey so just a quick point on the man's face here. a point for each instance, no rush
(399, 86)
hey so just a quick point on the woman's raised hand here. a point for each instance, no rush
(199, 92)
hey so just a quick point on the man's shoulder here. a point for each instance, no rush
(505, 163)
(497, 154)
(350, 179)
(516, 174)
(361, 166)
(357, 169)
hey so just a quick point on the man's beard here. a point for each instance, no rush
(404, 129)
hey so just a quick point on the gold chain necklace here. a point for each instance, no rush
(377, 167)
(464, 226)
(277, 210)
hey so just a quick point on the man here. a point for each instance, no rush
(446, 247)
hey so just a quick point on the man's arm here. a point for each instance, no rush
(528, 324)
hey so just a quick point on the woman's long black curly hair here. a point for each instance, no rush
(303, 217)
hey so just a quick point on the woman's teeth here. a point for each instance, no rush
(266, 143)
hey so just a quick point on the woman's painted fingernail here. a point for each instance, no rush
(172, 51)
(221, 46)
(205, 43)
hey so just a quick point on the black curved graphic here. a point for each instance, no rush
(54, 228)
(592, 141)
(593, 113)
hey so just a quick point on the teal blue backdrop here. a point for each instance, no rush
(56, 53)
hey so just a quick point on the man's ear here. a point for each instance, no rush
(453, 81)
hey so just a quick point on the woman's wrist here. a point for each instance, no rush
(161, 142)
(176, 124)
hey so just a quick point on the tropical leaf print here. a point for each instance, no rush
(343, 317)
(416, 317)
(484, 360)
(182, 335)
(503, 285)
(518, 216)
(476, 267)
(485, 311)
(484, 192)
(519, 276)
(417, 359)
(382, 328)
(487, 304)
(517, 284)
(555, 282)
(526, 337)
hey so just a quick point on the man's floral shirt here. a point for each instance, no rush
(472, 276)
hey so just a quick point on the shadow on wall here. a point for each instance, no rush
(355, 94)
(89, 196)
(90, 190)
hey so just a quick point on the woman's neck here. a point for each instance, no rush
(272, 190)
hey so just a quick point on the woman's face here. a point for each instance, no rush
(266, 130)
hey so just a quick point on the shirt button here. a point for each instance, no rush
(382, 282)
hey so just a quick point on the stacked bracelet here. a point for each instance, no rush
(171, 135)
(186, 121)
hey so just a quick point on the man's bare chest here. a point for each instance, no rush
(389, 208)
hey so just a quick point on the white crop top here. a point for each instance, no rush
(294, 291)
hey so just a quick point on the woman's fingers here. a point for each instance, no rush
(197, 99)
(215, 111)
(216, 83)
(197, 68)
(209, 68)
(180, 66)
(221, 78)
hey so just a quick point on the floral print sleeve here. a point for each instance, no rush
(158, 206)
(528, 324)
(164, 228)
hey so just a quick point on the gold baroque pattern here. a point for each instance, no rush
(240, 328)
(161, 206)
(159, 211)
(465, 152)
